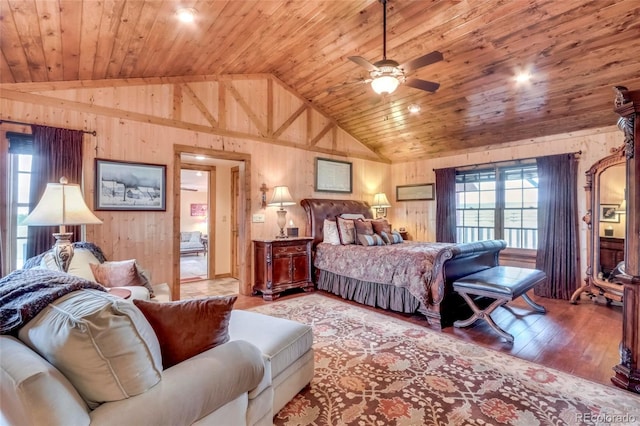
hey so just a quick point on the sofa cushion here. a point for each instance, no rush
(79, 265)
(188, 327)
(123, 273)
(282, 341)
(101, 343)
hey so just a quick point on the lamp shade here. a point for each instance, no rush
(380, 201)
(385, 84)
(61, 204)
(281, 197)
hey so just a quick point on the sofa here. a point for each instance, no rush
(191, 242)
(262, 363)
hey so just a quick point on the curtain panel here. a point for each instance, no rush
(558, 242)
(446, 205)
(56, 153)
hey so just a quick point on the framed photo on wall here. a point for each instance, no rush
(608, 213)
(198, 209)
(122, 185)
(423, 191)
(333, 176)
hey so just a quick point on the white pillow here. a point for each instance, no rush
(353, 216)
(79, 265)
(330, 231)
(102, 344)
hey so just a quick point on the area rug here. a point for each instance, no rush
(371, 369)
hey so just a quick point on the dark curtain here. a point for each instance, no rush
(56, 153)
(446, 205)
(558, 243)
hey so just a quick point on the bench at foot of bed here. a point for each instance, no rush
(501, 283)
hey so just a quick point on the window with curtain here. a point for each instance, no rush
(498, 203)
(20, 156)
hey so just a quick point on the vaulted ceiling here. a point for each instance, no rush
(574, 50)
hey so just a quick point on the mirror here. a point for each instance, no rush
(606, 220)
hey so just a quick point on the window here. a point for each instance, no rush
(20, 148)
(498, 203)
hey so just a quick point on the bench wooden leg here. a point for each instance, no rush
(534, 305)
(484, 315)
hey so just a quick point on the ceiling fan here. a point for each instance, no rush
(387, 74)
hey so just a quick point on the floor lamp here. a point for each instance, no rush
(62, 204)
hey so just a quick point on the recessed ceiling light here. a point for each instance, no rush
(199, 157)
(186, 14)
(523, 77)
(199, 173)
(414, 108)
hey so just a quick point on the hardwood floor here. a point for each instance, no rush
(578, 339)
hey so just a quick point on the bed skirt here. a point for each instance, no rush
(376, 295)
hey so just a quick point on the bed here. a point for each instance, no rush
(408, 277)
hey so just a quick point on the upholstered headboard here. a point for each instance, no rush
(319, 209)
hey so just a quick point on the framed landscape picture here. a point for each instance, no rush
(124, 185)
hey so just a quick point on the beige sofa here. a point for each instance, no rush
(245, 381)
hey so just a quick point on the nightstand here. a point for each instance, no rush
(281, 264)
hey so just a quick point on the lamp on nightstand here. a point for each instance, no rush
(61, 204)
(281, 198)
(381, 203)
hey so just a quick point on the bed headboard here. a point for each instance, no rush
(319, 209)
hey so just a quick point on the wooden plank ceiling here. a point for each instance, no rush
(576, 51)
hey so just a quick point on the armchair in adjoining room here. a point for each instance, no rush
(191, 242)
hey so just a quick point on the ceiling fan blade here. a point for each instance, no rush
(363, 63)
(416, 83)
(422, 61)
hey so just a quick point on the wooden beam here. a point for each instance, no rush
(247, 108)
(200, 105)
(150, 119)
(269, 107)
(323, 132)
(177, 102)
(289, 121)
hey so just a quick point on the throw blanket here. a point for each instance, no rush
(25, 292)
(412, 265)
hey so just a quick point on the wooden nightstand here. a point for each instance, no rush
(281, 264)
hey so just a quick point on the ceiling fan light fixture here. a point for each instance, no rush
(385, 84)
(414, 108)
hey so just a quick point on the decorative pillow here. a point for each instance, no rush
(101, 343)
(392, 237)
(352, 216)
(330, 232)
(186, 328)
(370, 240)
(123, 273)
(381, 225)
(362, 228)
(346, 231)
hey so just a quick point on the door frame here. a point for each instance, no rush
(244, 214)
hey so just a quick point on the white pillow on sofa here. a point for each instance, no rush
(79, 265)
(103, 345)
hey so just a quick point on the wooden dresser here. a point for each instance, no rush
(281, 264)
(611, 253)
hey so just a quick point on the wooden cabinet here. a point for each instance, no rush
(611, 253)
(281, 264)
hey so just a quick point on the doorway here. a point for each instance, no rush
(229, 240)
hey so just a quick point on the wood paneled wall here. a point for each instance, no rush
(281, 134)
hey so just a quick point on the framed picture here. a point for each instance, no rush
(333, 176)
(608, 213)
(124, 185)
(423, 191)
(198, 209)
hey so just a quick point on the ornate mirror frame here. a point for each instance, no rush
(593, 283)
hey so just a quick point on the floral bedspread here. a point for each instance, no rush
(408, 265)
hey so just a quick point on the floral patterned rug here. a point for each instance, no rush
(371, 369)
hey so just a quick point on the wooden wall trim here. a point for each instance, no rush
(199, 104)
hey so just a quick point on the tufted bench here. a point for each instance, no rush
(502, 283)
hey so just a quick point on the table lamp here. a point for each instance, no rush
(381, 203)
(281, 198)
(62, 204)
